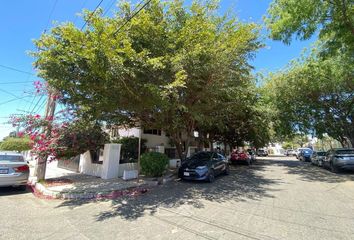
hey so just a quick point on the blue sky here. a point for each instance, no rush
(22, 21)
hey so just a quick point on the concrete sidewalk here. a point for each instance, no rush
(65, 184)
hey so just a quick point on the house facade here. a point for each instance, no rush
(156, 140)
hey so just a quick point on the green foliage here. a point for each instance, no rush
(167, 69)
(79, 137)
(15, 144)
(333, 19)
(129, 149)
(153, 164)
(315, 96)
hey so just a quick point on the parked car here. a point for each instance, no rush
(339, 159)
(289, 152)
(262, 152)
(240, 157)
(204, 166)
(14, 171)
(298, 152)
(305, 155)
(252, 153)
(317, 158)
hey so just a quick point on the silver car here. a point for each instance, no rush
(14, 171)
(339, 159)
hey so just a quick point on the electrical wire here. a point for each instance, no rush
(91, 15)
(50, 15)
(109, 7)
(10, 93)
(82, 6)
(36, 104)
(15, 99)
(131, 17)
(5, 83)
(17, 70)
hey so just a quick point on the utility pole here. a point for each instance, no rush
(49, 114)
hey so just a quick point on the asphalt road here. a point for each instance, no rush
(278, 198)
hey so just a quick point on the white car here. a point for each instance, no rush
(14, 170)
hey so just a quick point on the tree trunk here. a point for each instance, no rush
(49, 112)
(41, 169)
(177, 141)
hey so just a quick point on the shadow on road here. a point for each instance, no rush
(6, 191)
(309, 172)
(242, 184)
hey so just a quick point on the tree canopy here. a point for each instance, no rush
(333, 19)
(315, 96)
(169, 67)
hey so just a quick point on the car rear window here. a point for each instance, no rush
(11, 158)
(321, 153)
(345, 151)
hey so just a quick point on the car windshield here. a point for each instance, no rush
(321, 153)
(202, 156)
(11, 158)
(345, 151)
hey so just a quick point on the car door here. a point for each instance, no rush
(327, 158)
(217, 163)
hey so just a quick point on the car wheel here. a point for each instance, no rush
(211, 177)
(333, 168)
(227, 170)
(22, 187)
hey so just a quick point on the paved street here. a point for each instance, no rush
(278, 198)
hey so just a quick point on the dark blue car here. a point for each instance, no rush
(203, 166)
(305, 154)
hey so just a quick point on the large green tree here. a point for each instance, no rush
(164, 68)
(333, 19)
(315, 96)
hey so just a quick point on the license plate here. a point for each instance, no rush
(4, 171)
(186, 173)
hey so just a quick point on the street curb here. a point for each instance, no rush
(41, 191)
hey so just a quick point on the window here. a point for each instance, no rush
(11, 158)
(97, 156)
(152, 131)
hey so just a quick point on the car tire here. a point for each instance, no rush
(227, 170)
(211, 176)
(333, 168)
(22, 188)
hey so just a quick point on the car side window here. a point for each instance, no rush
(220, 157)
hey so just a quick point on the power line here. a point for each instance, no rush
(109, 7)
(37, 103)
(91, 15)
(10, 93)
(3, 83)
(17, 70)
(82, 6)
(14, 99)
(50, 15)
(40, 106)
(131, 17)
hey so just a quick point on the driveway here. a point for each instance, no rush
(278, 198)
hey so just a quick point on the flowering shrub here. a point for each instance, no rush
(57, 138)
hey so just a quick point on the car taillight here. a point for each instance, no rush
(23, 168)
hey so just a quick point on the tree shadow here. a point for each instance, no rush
(242, 184)
(309, 172)
(7, 191)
